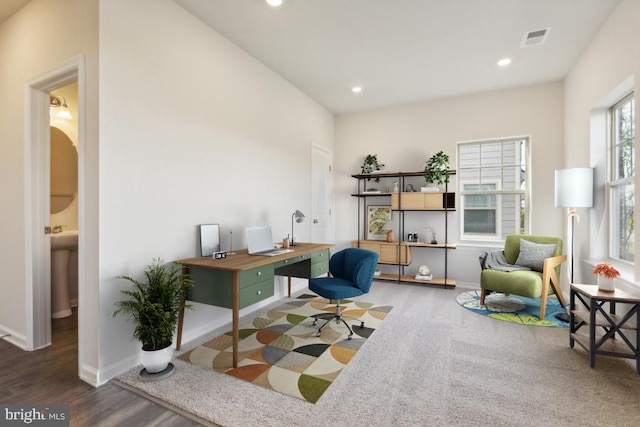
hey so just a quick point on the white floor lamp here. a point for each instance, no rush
(573, 190)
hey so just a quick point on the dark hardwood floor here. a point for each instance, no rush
(50, 376)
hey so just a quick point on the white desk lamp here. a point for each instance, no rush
(573, 190)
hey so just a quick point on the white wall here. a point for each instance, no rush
(404, 137)
(192, 130)
(39, 38)
(609, 67)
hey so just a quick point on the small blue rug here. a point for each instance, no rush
(513, 308)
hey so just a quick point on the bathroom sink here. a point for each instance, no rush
(62, 245)
(64, 240)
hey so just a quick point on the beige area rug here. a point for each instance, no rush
(279, 350)
(433, 363)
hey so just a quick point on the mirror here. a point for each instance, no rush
(64, 170)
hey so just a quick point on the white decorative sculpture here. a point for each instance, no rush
(424, 270)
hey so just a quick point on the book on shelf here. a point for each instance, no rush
(427, 277)
(429, 189)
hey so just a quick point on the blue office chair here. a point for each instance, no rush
(352, 271)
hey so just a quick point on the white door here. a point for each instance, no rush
(321, 195)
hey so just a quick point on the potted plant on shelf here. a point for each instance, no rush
(371, 165)
(153, 305)
(436, 171)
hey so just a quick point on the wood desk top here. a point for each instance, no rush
(241, 260)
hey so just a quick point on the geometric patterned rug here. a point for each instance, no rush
(513, 308)
(280, 351)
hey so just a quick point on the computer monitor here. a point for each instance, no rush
(209, 239)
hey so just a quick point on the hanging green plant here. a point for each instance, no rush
(436, 169)
(371, 165)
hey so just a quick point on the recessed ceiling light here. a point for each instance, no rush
(274, 3)
(356, 89)
(504, 62)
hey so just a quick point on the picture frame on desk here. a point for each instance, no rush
(209, 235)
(377, 219)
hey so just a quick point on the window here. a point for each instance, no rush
(480, 209)
(493, 188)
(621, 177)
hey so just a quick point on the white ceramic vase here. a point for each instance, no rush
(157, 360)
(605, 284)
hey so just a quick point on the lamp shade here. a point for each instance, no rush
(574, 188)
(299, 216)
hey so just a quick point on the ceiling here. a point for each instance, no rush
(401, 51)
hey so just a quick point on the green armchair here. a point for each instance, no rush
(541, 281)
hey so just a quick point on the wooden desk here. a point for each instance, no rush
(614, 342)
(247, 279)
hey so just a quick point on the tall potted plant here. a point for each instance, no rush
(153, 305)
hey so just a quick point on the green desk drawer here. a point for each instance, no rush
(256, 275)
(300, 258)
(286, 262)
(214, 287)
(255, 293)
(320, 268)
(320, 256)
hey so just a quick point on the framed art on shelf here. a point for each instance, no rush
(377, 218)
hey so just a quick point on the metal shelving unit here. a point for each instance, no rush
(448, 205)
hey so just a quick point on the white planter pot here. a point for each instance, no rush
(605, 284)
(157, 360)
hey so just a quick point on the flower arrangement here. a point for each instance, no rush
(606, 270)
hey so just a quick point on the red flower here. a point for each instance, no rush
(606, 270)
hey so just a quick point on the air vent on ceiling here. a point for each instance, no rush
(535, 37)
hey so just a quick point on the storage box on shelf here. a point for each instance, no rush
(399, 253)
(423, 201)
(388, 252)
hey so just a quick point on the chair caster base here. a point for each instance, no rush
(338, 319)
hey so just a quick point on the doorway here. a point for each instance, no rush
(63, 196)
(321, 195)
(38, 192)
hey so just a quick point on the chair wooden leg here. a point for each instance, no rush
(543, 305)
(559, 295)
(483, 294)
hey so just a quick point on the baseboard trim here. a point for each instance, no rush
(89, 374)
(104, 375)
(14, 338)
